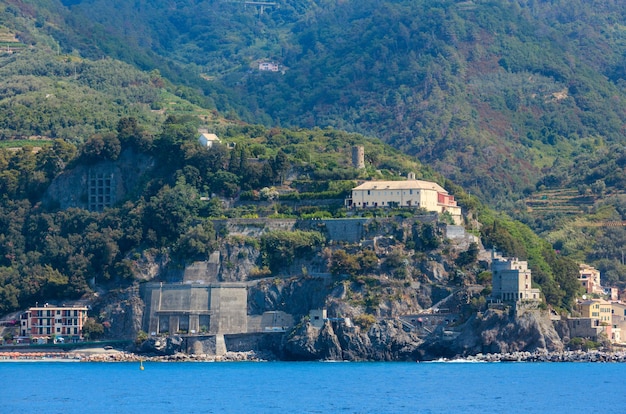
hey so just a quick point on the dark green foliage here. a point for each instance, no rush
(197, 242)
(425, 236)
(93, 330)
(469, 256)
(280, 248)
(168, 214)
(343, 263)
(100, 147)
(47, 95)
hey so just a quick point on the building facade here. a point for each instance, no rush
(59, 323)
(217, 308)
(597, 309)
(410, 193)
(512, 280)
(588, 328)
(589, 278)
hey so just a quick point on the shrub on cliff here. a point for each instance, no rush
(279, 248)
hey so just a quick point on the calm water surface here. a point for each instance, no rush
(317, 387)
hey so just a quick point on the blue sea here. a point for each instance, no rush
(312, 387)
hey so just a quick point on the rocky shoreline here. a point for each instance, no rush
(122, 356)
(251, 356)
(564, 356)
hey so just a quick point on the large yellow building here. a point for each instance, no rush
(410, 193)
(599, 309)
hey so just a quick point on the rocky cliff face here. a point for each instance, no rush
(494, 331)
(418, 283)
(385, 341)
(122, 313)
(70, 189)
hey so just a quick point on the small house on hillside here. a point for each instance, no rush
(268, 66)
(207, 140)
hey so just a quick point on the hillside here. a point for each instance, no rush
(57, 242)
(488, 93)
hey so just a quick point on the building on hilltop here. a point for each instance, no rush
(410, 193)
(512, 280)
(60, 323)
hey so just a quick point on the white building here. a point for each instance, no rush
(317, 317)
(410, 193)
(207, 140)
(268, 66)
(512, 280)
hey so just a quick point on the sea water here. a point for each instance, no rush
(312, 387)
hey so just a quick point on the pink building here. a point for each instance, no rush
(589, 278)
(42, 323)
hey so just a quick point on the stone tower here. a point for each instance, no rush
(358, 157)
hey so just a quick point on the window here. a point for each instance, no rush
(58, 330)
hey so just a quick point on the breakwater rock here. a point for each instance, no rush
(563, 356)
(178, 357)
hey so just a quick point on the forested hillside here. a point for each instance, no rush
(490, 93)
(48, 253)
(510, 99)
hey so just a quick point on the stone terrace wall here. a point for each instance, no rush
(350, 230)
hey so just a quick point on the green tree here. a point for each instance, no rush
(469, 256)
(93, 330)
(170, 212)
(197, 242)
(101, 147)
(343, 263)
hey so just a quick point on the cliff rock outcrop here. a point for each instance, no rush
(385, 341)
(494, 331)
